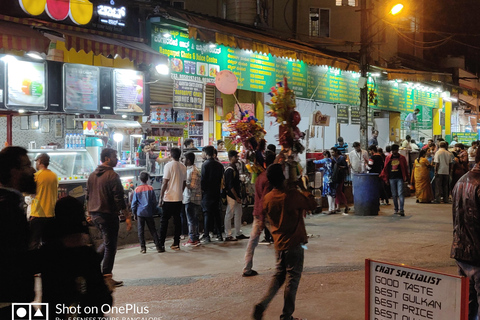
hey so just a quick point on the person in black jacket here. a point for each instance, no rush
(234, 200)
(16, 280)
(466, 233)
(211, 183)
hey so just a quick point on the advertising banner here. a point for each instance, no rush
(188, 95)
(25, 85)
(128, 92)
(466, 137)
(81, 88)
(396, 291)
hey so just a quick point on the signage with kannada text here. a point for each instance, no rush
(466, 137)
(405, 293)
(188, 95)
(191, 59)
(342, 113)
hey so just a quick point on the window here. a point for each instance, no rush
(351, 3)
(178, 4)
(319, 22)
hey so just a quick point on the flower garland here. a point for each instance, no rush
(248, 132)
(282, 107)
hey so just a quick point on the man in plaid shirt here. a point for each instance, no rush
(192, 198)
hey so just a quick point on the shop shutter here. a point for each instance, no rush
(161, 92)
(209, 96)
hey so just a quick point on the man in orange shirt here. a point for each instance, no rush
(43, 202)
(284, 209)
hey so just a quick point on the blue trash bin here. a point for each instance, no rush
(366, 194)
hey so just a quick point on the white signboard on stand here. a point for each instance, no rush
(399, 292)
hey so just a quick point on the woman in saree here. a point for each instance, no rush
(421, 178)
(328, 188)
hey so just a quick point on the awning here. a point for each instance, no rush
(248, 38)
(15, 36)
(135, 51)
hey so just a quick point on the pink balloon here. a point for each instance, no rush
(226, 82)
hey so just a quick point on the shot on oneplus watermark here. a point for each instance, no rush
(29, 311)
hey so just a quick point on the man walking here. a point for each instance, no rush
(192, 197)
(284, 209)
(106, 202)
(171, 196)
(262, 187)
(466, 233)
(16, 280)
(211, 183)
(395, 173)
(43, 202)
(443, 167)
(234, 202)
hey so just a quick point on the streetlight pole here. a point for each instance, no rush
(364, 57)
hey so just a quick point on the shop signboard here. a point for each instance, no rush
(128, 92)
(81, 87)
(342, 113)
(319, 119)
(466, 137)
(395, 291)
(191, 59)
(354, 115)
(25, 85)
(188, 95)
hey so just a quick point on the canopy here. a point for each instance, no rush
(15, 36)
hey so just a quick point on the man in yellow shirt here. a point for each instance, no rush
(43, 203)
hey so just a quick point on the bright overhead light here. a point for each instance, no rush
(21, 110)
(124, 116)
(8, 58)
(396, 9)
(162, 69)
(375, 74)
(36, 55)
(117, 137)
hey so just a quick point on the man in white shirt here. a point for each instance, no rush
(443, 166)
(171, 196)
(358, 159)
(472, 151)
(410, 120)
(413, 145)
(454, 142)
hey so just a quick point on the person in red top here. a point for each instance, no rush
(285, 208)
(262, 187)
(395, 173)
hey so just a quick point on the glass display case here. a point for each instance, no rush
(68, 164)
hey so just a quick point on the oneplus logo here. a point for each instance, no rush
(29, 311)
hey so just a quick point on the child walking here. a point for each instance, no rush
(144, 204)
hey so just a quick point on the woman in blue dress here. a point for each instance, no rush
(328, 189)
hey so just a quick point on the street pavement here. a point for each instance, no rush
(205, 282)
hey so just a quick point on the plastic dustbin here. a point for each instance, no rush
(366, 194)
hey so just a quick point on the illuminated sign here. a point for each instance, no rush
(111, 15)
(79, 11)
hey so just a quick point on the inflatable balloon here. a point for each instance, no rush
(226, 82)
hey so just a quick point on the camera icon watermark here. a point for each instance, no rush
(29, 311)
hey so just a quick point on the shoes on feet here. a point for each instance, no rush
(252, 273)
(191, 243)
(230, 239)
(175, 247)
(242, 237)
(402, 213)
(183, 237)
(143, 250)
(206, 239)
(347, 209)
(258, 312)
(161, 249)
(219, 238)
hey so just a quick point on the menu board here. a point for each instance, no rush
(466, 137)
(128, 92)
(188, 95)
(81, 85)
(198, 61)
(354, 115)
(25, 85)
(342, 113)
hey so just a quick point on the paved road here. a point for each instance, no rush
(205, 282)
